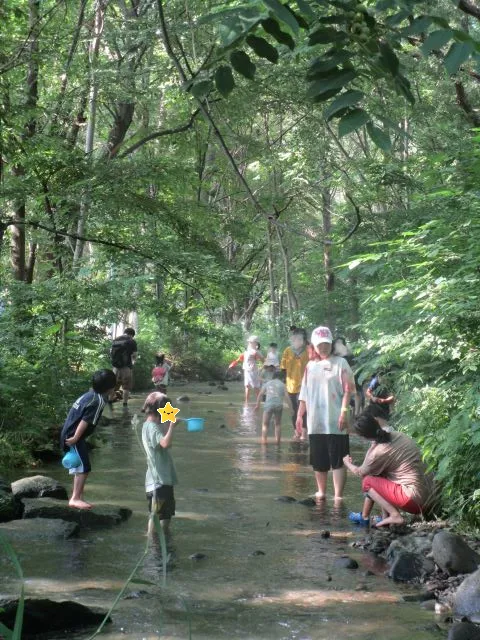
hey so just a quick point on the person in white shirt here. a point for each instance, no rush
(325, 394)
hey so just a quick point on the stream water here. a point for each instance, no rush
(226, 510)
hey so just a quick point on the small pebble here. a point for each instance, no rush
(325, 534)
(258, 552)
(197, 556)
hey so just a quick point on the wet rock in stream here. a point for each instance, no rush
(258, 552)
(452, 554)
(99, 516)
(11, 507)
(345, 562)
(183, 399)
(308, 502)
(197, 556)
(285, 499)
(39, 529)
(39, 487)
(464, 631)
(47, 616)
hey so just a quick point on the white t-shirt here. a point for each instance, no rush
(275, 390)
(322, 389)
(250, 358)
(272, 359)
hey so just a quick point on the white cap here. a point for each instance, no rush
(321, 334)
(253, 339)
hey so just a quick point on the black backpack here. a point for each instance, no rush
(119, 353)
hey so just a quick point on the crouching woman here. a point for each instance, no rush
(393, 473)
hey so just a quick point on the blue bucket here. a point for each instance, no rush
(71, 460)
(194, 424)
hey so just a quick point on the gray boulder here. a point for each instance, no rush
(464, 631)
(101, 516)
(39, 487)
(467, 598)
(410, 567)
(10, 507)
(47, 616)
(421, 545)
(453, 555)
(39, 529)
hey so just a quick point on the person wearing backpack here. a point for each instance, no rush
(123, 354)
(160, 373)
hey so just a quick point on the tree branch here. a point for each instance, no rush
(357, 222)
(106, 243)
(159, 134)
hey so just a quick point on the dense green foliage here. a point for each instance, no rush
(205, 169)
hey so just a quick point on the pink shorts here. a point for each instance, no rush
(392, 492)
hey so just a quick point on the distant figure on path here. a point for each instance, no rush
(160, 373)
(293, 363)
(379, 393)
(250, 358)
(81, 421)
(274, 390)
(123, 354)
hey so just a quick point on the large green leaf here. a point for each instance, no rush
(262, 48)
(340, 79)
(436, 40)
(324, 64)
(282, 13)
(224, 80)
(272, 27)
(388, 59)
(305, 8)
(419, 25)
(347, 99)
(352, 121)
(457, 54)
(325, 35)
(202, 88)
(379, 137)
(242, 64)
(237, 23)
(402, 85)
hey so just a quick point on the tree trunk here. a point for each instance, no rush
(327, 255)
(100, 8)
(18, 231)
(271, 279)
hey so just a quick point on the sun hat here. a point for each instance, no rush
(321, 334)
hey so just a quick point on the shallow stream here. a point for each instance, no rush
(226, 510)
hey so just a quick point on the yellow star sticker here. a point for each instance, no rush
(168, 413)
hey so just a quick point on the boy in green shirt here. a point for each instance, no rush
(161, 476)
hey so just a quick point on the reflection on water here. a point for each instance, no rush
(266, 572)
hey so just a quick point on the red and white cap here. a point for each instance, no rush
(321, 334)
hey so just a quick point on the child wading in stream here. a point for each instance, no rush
(161, 476)
(80, 423)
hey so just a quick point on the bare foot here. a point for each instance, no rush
(79, 504)
(390, 520)
(338, 498)
(319, 495)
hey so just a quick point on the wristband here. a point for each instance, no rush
(344, 410)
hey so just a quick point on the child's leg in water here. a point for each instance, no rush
(77, 501)
(265, 421)
(278, 427)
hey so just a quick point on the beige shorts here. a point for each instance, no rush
(124, 378)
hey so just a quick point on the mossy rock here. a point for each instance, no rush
(10, 507)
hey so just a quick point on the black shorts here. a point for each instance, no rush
(165, 501)
(328, 450)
